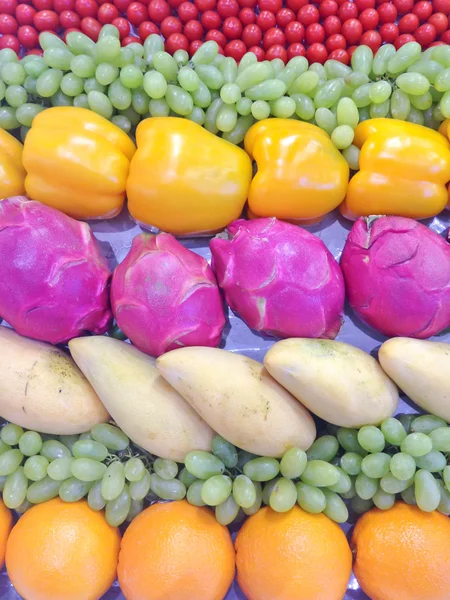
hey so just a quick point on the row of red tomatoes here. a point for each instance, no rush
(270, 28)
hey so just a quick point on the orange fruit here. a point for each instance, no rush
(292, 556)
(403, 554)
(176, 551)
(5, 528)
(62, 551)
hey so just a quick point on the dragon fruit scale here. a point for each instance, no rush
(280, 279)
(165, 296)
(397, 276)
(54, 282)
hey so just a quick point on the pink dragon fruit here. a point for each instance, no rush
(164, 296)
(282, 280)
(54, 283)
(397, 276)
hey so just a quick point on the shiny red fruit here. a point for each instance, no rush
(258, 52)
(210, 20)
(28, 37)
(158, 10)
(308, 14)
(294, 32)
(296, 5)
(193, 30)
(236, 49)
(296, 49)
(36, 52)
(340, 55)
(266, 20)
(314, 33)
(369, 19)
(248, 3)
(90, 27)
(194, 46)
(232, 28)
(216, 36)
(387, 13)
(38, 4)
(408, 23)
(60, 5)
(403, 6)
(440, 22)
(273, 37)
(316, 53)
(438, 5)
(228, 8)
(147, 28)
(122, 5)
(445, 37)
(352, 31)
(327, 8)
(10, 41)
(372, 39)
(423, 10)
(25, 14)
(332, 25)
(10, 6)
(336, 42)
(204, 5)
(348, 10)
(247, 16)
(425, 34)
(123, 26)
(137, 13)
(403, 39)
(171, 25)
(284, 17)
(130, 39)
(252, 35)
(176, 41)
(272, 5)
(8, 24)
(107, 13)
(46, 20)
(389, 32)
(277, 51)
(86, 8)
(364, 4)
(350, 51)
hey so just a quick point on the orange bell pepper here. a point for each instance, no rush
(12, 173)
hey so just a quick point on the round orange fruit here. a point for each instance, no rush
(292, 556)
(175, 551)
(402, 554)
(5, 529)
(62, 551)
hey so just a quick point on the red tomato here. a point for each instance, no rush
(247, 16)
(440, 22)
(86, 8)
(369, 18)
(187, 11)
(423, 10)
(130, 39)
(252, 35)
(352, 31)
(332, 24)
(137, 13)
(340, 55)
(171, 25)
(327, 8)
(158, 10)
(314, 33)
(236, 49)
(347, 10)
(193, 30)
(445, 37)
(336, 42)
(28, 37)
(372, 39)
(8, 24)
(204, 5)
(248, 3)
(271, 5)
(107, 13)
(389, 32)
(439, 6)
(147, 28)
(258, 51)
(38, 4)
(364, 4)
(273, 37)
(46, 20)
(296, 49)
(403, 6)
(67, 31)
(425, 34)
(210, 20)
(60, 5)
(294, 32)
(284, 17)
(387, 13)
(216, 36)
(123, 26)
(194, 46)
(350, 51)
(228, 8)
(25, 14)
(10, 41)
(232, 28)
(316, 53)
(36, 52)
(277, 51)
(91, 27)
(10, 6)
(296, 5)
(176, 41)
(308, 14)
(266, 20)
(403, 39)
(408, 23)
(121, 5)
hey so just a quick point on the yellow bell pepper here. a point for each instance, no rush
(12, 173)
(301, 175)
(404, 168)
(185, 180)
(77, 162)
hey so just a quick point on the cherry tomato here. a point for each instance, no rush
(232, 28)
(90, 27)
(294, 32)
(35, 51)
(171, 25)
(445, 37)
(248, 3)
(285, 16)
(308, 14)
(296, 5)
(440, 22)
(46, 20)
(316, 53)
(408, 23)
(389, 32)
(403, 6)
(336, 42)
(158, 10)
(425, 34)
(273, 37)
(364, 4)
(332, 24)
(347, 10)
(423, 10)
(228, 8)
(314, 33)
(265, 20)
(403, 39)
(350, 51)
(9, 41)
(387, 13)
(340, 55)
(130, 39)
(39, 4)
(442, 6)
(258, 51)
(123, 26)
(8, 24)
(277, 51)
(369, 18)
(28, 37)
(60, 5)
(204, 5)
(216, 36)
(176, 41)
(70, 20)
(86, 8)
(122, 5)
(372, 39)
(193, 30)
(352, 30)
(296, 49)
(271, 5)
(147, 28)
(194, 46)
(236, 49)
(25, 14)
(137, 13)
(247, 16)
(107, 13)
(67, 31)
(252, 35)
(210, 20)
(10, 6)
(327, 8)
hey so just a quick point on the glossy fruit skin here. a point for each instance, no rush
(402, 553)
(6, 523)
(12, 173)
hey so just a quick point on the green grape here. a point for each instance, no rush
(202, 96)
(10, 461)
(107, 49)
(136, 507)
(131, 77)
(437, 96)
(181, 57)
(81, 101)
(113, 481)
(328, 93)
(326, 120)
(351, 155)
(271, 89)
(15, 95)
(343, 485)
(440, 439)
(267, 490)
(227, 511)
(446, 476)
(35, 67)
(427, 492)
(444, 105)
(10, 434)
(283, 107)
(404, 58)
(22, 509)
(4, 447)
(23, 132)
(356, 80)
(71, 84)
(211, 76)
(48, 82)
(371, 439)
(60, 99)
(320, 70)
(152, 44)
(376, 465)
(165, 468)
(95, 498)
(244, 491)
(342, 136)
(258, 501)
(15, 489)
(324, 448)
(262, 469)
(364, 113)
(80, 44)
(30, 443)
(294, 461)
(278, 66)
(187, 78)
(72, 489)
(429, 68)
(380, 91)
(260, 110)
(409, 496)
(7, 55)
(60, 469)
(379, 111)
(43, 490)
(230, 93)
(351, 493)
(229, 70)
(203, 465)
(12, 73)
(361, 96)
(158, 108)
(165, 64)
(50, 40)
(444, 503)
(29, 85)
(140, 101)
(416, 444)
(216, 490)
(87, 469)
(320, 474)
(194, 493)
(58, 58)
(335, 508)
(197, 115)
(139, 489)
(117, 510)
(348, 439)
(122, 122)
(187, 478)
(347, 113)
(134, 469)
(225, 451)
(294, 68)
(334, 69)
(426, 424)
(306, 84)
(310, 498)
(111, 437)
(383, 500)
(69, 440)
(100, 103)
(360, 506)
(304, 106)
(441, 54)
(402, 466)
(106, 73)
(107, 30)
(126, 57)
(382, 58)
(138, 49)
(434, 461)
(155, 84)
(430, 121)
(392, 485)
(89, 449)
(35, 467)
(86, 436)
(226, 118)
(283, 496)
(393, 430)
(244, 457)
(362, 60)
(351, 463)
(3, 479)
(205, 54)
(244, 106)
(211, 115)
(166, 489)
(179, 100)
(53, 449)
(246, 61)
(414, 84)
(83, 66)
(365, 486)
(442, 81)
